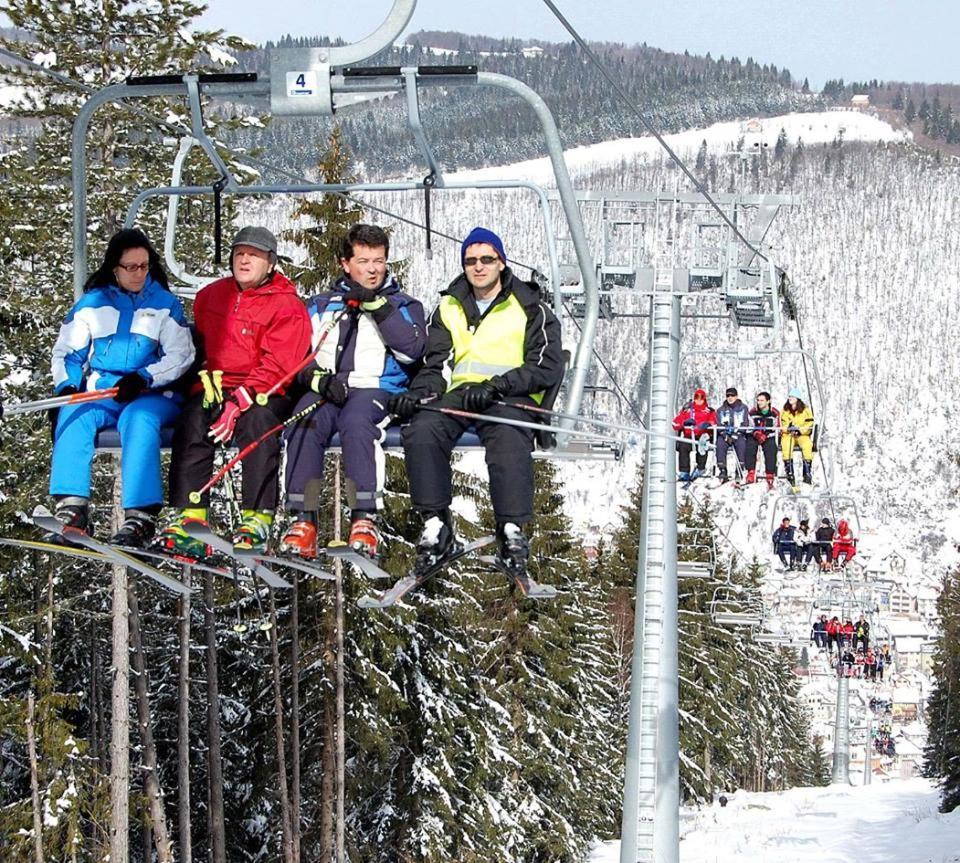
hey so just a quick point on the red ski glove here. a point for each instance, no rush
(222, 430)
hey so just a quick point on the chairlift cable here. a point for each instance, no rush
(624, 96)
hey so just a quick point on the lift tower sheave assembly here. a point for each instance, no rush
(677, 227)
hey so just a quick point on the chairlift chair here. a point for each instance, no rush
(737, 606)
(314, 81)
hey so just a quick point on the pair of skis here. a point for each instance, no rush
(528, 587)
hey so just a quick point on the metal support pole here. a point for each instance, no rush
(868, 753)
(650, 825)
(841, 734)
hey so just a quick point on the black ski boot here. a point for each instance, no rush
(808, 472)
(137, 530)
(791, 477)
(74, 514)
(437, 539)
(514, 549)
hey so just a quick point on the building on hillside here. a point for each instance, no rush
(910, 639)
(532, 51)
(860, 101)
(926, 601)
(908, 761)
(900, 601)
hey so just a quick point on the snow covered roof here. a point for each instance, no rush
(904, 626)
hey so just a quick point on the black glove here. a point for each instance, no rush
(403, 405)
(358, 294)
(478, 397)
(330, 387)
(129, 387)
(688, 423)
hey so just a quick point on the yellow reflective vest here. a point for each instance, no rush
(496, 345)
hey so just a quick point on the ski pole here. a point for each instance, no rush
(57, 402)
(262, 398)
(456, 412)
(701, 444)
(196, 496)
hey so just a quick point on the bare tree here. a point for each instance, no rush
(183, 723)
(278, 733)
(151, 779)
(218, 840)
(34, 782)
(295, 719)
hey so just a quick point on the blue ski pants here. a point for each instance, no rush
(361, 423)
(139, 424)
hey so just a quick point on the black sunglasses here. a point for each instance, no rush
(486, 260)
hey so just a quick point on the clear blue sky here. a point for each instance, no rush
(911, 40)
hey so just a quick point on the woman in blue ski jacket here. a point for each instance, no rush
(126, 331)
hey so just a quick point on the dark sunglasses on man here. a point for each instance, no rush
(486, 260)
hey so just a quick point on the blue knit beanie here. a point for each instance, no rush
(482, 235)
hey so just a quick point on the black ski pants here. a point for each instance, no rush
(191, 462)
(428, 443)
(683, 458)
(769, 447)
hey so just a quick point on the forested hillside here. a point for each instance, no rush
(484, 126)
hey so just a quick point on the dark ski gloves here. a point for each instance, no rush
(129, 387)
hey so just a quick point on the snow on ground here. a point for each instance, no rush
(813, 128)
(895, 822)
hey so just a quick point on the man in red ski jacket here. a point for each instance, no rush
(251, 330)
(694, 421)
(844, 543)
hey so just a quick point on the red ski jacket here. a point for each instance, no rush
(833, 627)
(844, 542)
(254, 336)
(704, 419)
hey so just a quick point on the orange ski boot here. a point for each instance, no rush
(301, 539)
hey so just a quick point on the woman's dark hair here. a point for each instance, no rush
(798, 409)
(128, 238)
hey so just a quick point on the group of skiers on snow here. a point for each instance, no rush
(797, 546)
(747, 433)
(492, 348)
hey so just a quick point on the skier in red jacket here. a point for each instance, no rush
(251, 330)
(696, 420)
(844, 543)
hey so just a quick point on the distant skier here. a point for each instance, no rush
(784, 544)
(491, 343)
(824, 545)
(126, 331)
(765, 421)
(252, 329)
(695, 422)
(844, 544)
(796, 422)
(367, 358)
(733, 421)
(861, 634)
(803, 539)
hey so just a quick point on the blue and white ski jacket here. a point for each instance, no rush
(370, 350)
(110, 332)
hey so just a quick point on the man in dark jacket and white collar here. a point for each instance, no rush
(377, 334)
(490, 342)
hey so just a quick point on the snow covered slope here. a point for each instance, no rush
(897, 821)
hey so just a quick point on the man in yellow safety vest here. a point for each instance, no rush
(491, 343)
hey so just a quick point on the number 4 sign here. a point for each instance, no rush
(302, 83)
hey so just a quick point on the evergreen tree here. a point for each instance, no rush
(910, 112)
(942, 750)
(331, 217)
(780, 149)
